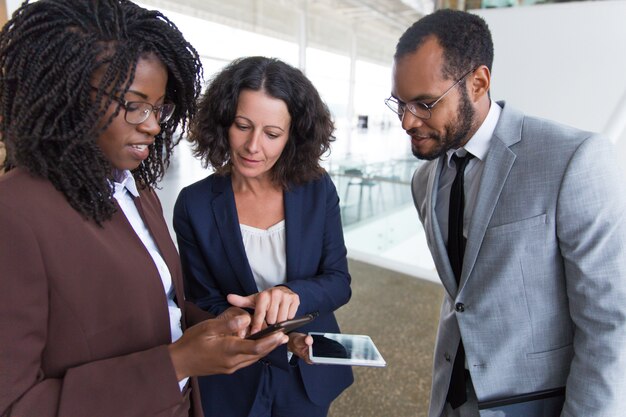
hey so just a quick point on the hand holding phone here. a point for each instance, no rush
(284, 326)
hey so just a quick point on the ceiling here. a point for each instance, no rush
(367, 28)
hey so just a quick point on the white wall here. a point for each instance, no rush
(565, 62)
(12, 5)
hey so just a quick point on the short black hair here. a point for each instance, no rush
(464, 37)
(311, 128)
(49, 120)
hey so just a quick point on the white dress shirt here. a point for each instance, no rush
(125, 191)
(478, 145)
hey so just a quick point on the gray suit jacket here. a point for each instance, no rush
(543, 286)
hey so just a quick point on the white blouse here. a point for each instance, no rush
(267, 254)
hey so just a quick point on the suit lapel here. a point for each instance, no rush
(440, 254)
(293, 226)
(152, 216)
(227, 223)
(154, 221)
(498, 164)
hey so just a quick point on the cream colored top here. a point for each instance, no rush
(267, 254)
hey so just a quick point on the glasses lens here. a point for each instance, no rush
(137, 112)
(394, 106)
(165, 112)
(419, 109)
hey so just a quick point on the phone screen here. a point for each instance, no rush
(284, 326)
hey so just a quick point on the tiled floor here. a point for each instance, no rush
(400, 314)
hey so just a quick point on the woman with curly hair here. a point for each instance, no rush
(264, 232)
(92, 310)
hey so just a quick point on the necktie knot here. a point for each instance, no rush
(461, 161)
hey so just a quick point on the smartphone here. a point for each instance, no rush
(284, 326)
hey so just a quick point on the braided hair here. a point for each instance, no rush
(49, 119)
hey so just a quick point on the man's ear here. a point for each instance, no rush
(480, 82)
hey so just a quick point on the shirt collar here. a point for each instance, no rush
(478, 145)
(125, 180)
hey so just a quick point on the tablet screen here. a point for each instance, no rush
(344, 349)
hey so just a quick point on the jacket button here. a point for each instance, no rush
(460, 307)
(447, 356)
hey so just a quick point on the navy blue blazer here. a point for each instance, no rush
(215, 265)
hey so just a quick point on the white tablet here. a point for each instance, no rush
(344, 349)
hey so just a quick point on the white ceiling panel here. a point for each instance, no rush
(373, 26)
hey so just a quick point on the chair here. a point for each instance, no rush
(358, 178)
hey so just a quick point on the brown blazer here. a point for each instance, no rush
(84, 324)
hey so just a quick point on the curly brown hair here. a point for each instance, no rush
(311, 129)
(49, 120)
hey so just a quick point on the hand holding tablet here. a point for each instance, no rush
(344, 349)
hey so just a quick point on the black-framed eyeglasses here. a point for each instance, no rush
(137, 112)
(419, 109)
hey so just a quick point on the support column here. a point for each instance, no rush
(302, 36)
(351, 91)
(616, 125)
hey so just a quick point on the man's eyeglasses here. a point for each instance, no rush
(419, 109)
(137, 112)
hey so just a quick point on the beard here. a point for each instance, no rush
(456, 133)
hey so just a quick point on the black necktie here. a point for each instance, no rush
(456, 249)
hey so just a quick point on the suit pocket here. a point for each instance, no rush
(554, 364)
(523, 224)
(565, 351)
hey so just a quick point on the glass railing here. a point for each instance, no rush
(381, 225)
(370, 190)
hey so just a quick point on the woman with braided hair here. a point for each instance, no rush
(92, 311)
